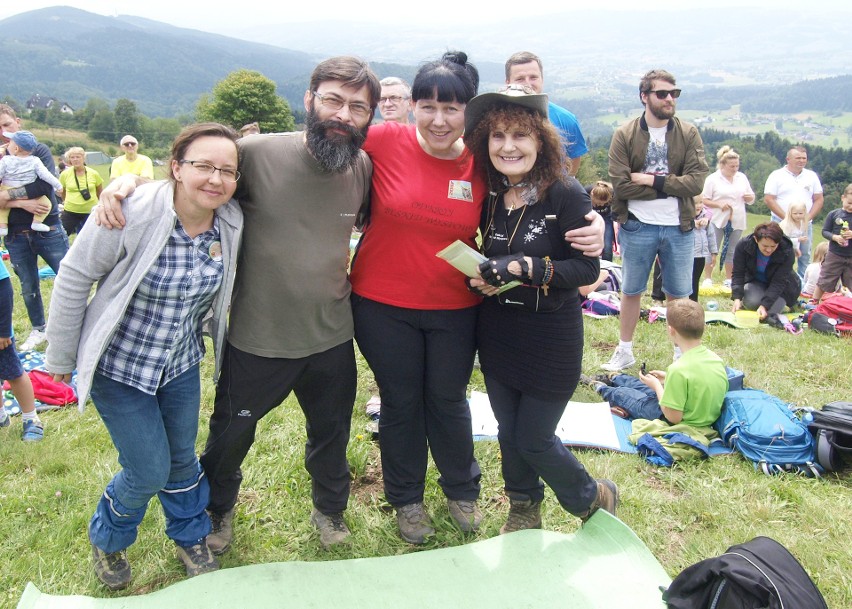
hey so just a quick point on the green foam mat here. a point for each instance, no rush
(602, 566)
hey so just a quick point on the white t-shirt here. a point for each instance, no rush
(789, 187)
(659, 212)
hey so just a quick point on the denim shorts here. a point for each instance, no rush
(10, 364)
(641, 243)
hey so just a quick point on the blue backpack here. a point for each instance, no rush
(767, 432)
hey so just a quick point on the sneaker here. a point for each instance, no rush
(40, 227)
(112, 569)
(592, 382)
(332, 528)
(707, 283)
(197, 559)
(414, 523)
(523, 514)
(373, 407)
(466, 514)
(33, 431)
(606, 499)
(36, 338)
(220, 537)
(726, 284)
(5, 420)
(621, 359)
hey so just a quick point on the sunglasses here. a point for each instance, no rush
(664, 93)
(134, 143)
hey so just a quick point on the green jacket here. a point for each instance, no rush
(687, 167)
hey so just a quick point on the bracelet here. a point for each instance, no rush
(548, 274)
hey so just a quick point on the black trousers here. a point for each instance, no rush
(531, 451)
(422, 361)
(250, 386)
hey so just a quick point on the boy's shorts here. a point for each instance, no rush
(10, 364)
(641, 243)
(835, 267)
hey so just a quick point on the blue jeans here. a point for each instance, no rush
(24, 249)
(155, 437)
(641, 243)
(634, 396)
(609, 238)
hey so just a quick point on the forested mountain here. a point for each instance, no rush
(74, 55)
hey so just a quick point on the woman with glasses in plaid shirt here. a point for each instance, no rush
(138, 343)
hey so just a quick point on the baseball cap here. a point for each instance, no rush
(24, 139)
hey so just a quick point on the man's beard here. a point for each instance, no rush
(334, 152)
(662, 112)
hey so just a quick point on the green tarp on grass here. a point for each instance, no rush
(602, 566)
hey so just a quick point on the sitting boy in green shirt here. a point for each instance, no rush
(691, 391)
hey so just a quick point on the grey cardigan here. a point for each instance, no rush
(79, 330)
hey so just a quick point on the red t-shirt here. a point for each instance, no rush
(419, 205)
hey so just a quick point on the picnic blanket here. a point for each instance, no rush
(583, 425)
(532, 568)
(34, 360)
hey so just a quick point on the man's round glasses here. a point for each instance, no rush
(334, 103)
(664, 93)
(227, 175)
(394, 99)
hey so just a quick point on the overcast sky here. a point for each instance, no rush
(224, 17)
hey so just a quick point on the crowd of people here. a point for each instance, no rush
(247, 240)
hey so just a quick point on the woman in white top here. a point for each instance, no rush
(727, 192)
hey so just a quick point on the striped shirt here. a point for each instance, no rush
(159, 336)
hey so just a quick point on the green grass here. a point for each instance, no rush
(684, 514)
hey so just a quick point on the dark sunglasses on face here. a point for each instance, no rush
(129, 144)
(664, 93)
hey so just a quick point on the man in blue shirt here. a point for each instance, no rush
(524, 68)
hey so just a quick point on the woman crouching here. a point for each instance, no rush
(138, 343)
(530, 337)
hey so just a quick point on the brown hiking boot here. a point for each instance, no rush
(332, 528)
(466, 514)
(524, 513)
(606, 499)
(197, 559)
(220, 537)
(414, 523)
(112, 568)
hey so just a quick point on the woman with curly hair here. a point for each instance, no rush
(530, 337)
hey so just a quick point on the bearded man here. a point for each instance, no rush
(291, 326)
(656, 166)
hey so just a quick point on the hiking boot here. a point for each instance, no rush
(222, 533)
(523, 514)
(112, 569)
(466, 514)
(197, 559)
(621, 359)
(33, 431)
(36, 338)
(332, 528)
(606, 499)
(414, 523)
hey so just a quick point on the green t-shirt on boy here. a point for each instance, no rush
(696, 385)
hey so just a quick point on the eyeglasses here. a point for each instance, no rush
(394, 99)
(332, 102)
(664, 93)
(227, 175)
(129, 144)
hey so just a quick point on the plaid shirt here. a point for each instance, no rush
(159, 336)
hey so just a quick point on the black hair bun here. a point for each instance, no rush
(459, 57)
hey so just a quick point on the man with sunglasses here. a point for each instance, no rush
(131, 162)
(656, 166)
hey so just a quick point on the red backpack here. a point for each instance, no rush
(836, 312)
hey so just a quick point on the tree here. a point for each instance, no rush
(126, 117)
(102, 126)
(243, 97)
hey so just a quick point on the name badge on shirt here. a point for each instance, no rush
(215, 251)
(461, 190)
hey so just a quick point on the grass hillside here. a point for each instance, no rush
(684, 514)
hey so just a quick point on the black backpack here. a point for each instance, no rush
(759, 574)
(832, 430)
